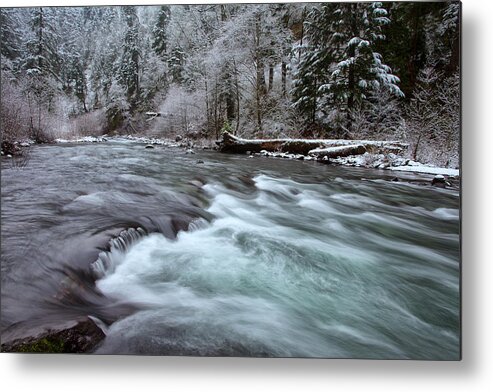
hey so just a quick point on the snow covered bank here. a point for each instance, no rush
(120, 139)
(17, 148)
(428, 170)
(333, 152)
(367, 160)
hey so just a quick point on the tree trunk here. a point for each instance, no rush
(237, 86)
(284, 71)
(259, 79)
(314, 108)
(415, 153)
(216, 120)
(303, 15)
(229, 98)
(351, 73)
(40, 39)
(207, 104)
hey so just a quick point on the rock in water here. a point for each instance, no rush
(439, 181)
(178, 138)
(77, 336)
(149, 146)
(200, 161)
(190, 151)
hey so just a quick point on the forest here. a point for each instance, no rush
(379, 71)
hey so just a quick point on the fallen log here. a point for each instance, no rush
(336, 152)
(238, 145)
(233, 144)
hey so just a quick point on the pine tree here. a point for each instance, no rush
(103, 34)
(361, 71)
(176, 65)
(71, 50)
(316, 57)
(449, 31)
(160, 33)
(10, 37)
(40, 66)
(41, 54)
(340, 68)
(130, 60)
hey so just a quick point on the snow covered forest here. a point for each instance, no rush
(315, 70)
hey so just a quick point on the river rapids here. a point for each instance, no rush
(235, 256)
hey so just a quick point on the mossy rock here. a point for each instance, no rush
(43, 345)
(76, 336)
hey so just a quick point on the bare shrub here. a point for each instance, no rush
(379, 119)
(433, 119)
(14, 112)
(182, 112)
(89, 124)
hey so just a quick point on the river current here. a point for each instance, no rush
(235, 256)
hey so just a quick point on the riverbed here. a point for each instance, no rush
(231, 255)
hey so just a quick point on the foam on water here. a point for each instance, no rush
(285, 272)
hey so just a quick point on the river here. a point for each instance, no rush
(235, 256)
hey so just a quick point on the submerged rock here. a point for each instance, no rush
(76, 336)
(149, 146)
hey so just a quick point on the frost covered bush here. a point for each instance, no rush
(433, 119)
(22, 116)
(379, 118)
(182, 112)
(89, 124)
(14, 111)
(280, 119)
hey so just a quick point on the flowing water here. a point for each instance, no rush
(237, 256)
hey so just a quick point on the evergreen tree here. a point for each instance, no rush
(160, 33)
(449, 33)
(130, 61)
(360, 70)
(316, 58)
(71, 50)
(10, 37)
(176, 65)
(41, 49)
(340, 68)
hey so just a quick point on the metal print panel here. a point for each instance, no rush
(258, 180)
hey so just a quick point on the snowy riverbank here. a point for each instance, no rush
(121, 139)
(388, 161)
(374, 161)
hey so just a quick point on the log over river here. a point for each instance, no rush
(235, 256)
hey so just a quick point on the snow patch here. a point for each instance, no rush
(420, 168)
